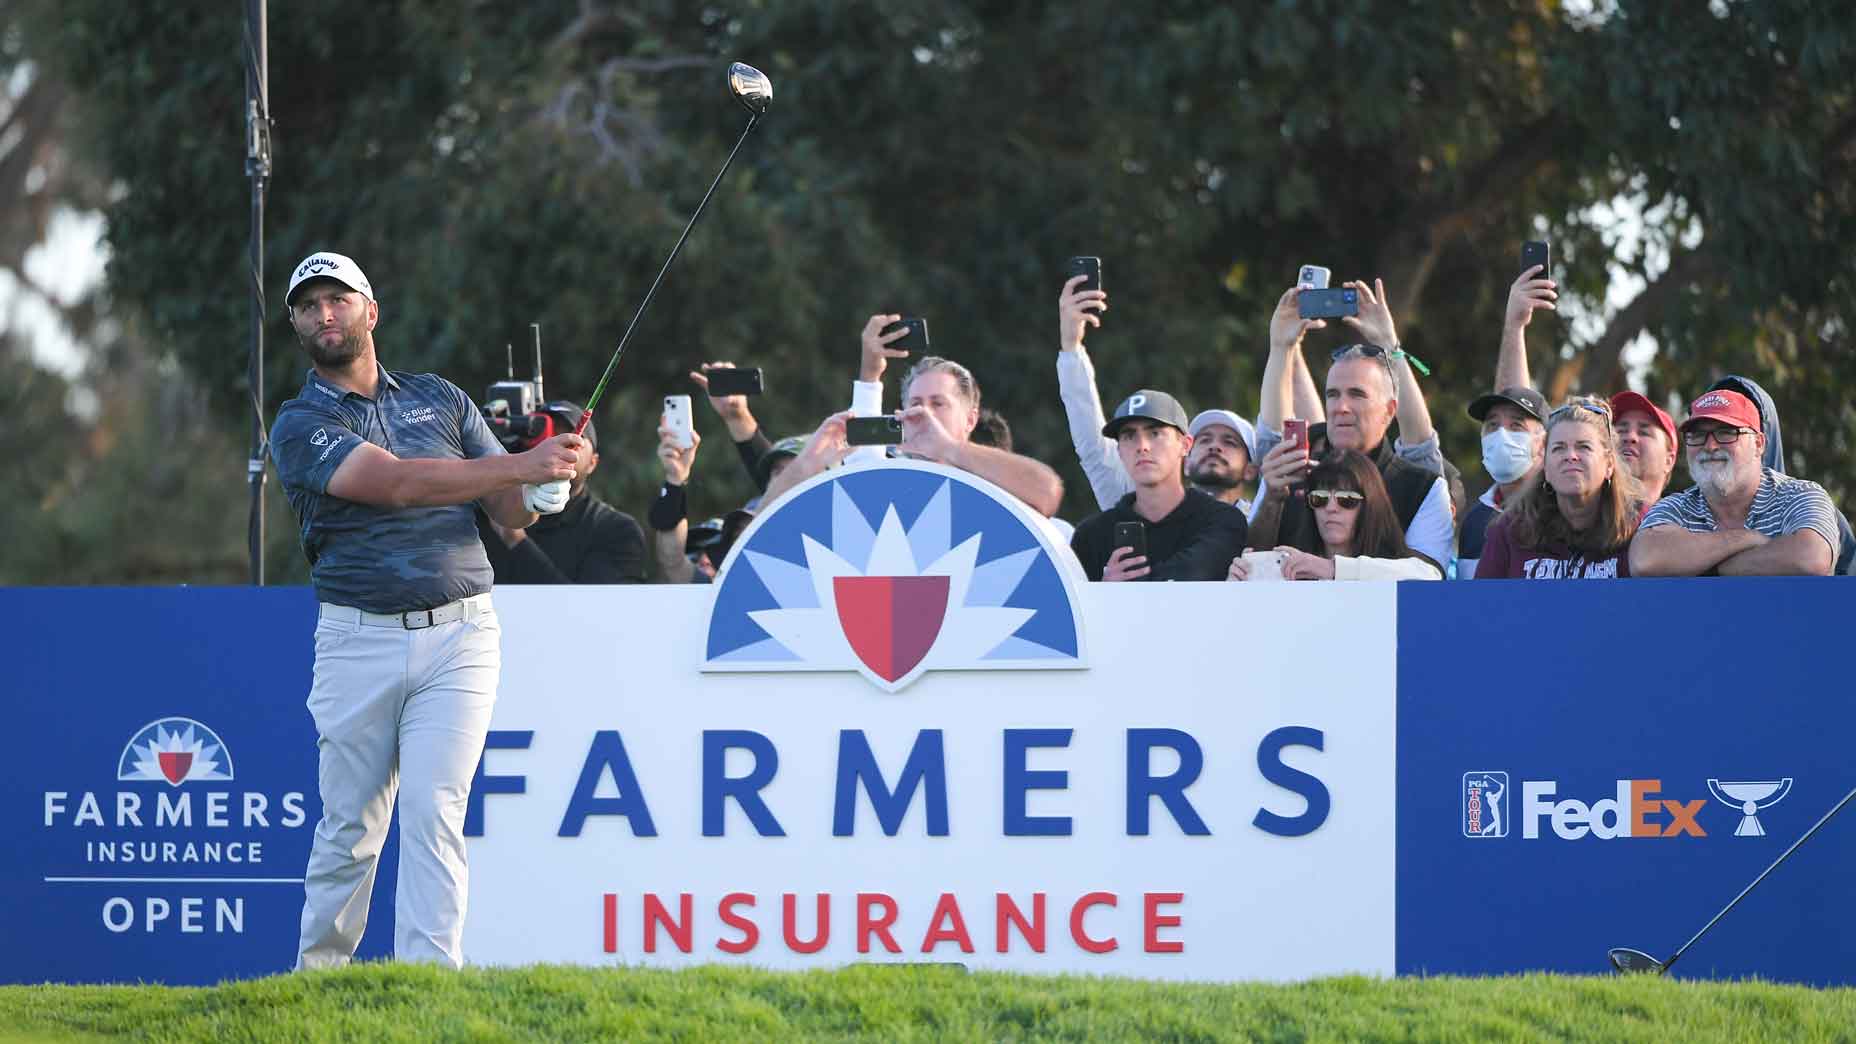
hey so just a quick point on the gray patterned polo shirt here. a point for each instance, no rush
(383, 560)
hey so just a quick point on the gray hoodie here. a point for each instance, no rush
(1774, 456)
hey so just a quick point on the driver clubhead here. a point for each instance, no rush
(1634, 962)
(750, 87)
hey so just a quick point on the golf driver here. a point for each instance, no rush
(1625, 959)
(754, 91)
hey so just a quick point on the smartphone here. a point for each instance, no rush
(916, 340)
(873, 431)
(677, 419)
(727, 380)
(1090, 267)
(1295, 432)
(1534, 252)
(1313, 276)
(1328, 303)
(1131, 535)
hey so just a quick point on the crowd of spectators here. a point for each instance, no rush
(1343, 481)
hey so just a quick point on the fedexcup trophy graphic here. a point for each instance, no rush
(1750, 798)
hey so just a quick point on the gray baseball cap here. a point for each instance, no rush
(1149, 405)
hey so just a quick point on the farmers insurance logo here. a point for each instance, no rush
(176, 751)
(893, 570)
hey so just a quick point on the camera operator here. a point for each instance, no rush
(588, 542)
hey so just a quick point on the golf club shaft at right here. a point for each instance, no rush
(1838, 807)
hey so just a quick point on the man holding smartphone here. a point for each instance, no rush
(1368, 385)
(1162, 530)
(941, 407)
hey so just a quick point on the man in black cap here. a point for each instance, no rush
(588, 542)
(1514, 439)
(1189, 535)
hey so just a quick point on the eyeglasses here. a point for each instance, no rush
(1345, 499)
(1721, 436)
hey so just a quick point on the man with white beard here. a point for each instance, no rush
(1740, 518)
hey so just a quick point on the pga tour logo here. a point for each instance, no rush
(174, 751)
(893, 570)
(1485, 804)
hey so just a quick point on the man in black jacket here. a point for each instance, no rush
(1189, 535)
(588, 542)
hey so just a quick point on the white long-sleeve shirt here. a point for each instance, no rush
(1082, 406)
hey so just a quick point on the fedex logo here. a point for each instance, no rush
(1635, 810)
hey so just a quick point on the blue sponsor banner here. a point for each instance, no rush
(1587, 766)
(161, 788)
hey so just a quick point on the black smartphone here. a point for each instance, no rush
(916, 340)
(1131, 535)
(730, 381)
(1328, 303)
(1090, 267)
(873, 431)
(1534, 252)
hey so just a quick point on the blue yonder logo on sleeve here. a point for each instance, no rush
(894, 570)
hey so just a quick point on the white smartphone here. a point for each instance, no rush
(1314, 277)
(677, 418)
(1264, 565)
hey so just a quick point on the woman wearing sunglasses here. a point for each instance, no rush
(1575, 519)
(1361, 538)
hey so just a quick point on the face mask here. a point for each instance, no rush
(1507, 454)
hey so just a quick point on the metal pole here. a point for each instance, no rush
(258, 169)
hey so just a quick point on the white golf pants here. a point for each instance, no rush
(398, 712)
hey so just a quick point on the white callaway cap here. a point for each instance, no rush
(324, 265)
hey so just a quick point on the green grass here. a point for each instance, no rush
(390, 1002)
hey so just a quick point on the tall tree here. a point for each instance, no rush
(495, 165)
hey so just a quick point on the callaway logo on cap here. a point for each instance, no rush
(324, 265)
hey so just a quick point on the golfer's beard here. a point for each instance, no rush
(336, 356)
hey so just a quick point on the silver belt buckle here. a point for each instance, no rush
(406, 619)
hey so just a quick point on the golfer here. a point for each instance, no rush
(382, 470)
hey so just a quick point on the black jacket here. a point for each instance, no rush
(1196, 541)
(588, 542)
(1407, 483)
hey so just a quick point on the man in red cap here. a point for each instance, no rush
(1740, 518)
(1646, 442)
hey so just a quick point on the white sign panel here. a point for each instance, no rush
(1209, 796)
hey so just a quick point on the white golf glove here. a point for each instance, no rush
(545, 499)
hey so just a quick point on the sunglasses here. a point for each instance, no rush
(1602, 411)
(1346, 499)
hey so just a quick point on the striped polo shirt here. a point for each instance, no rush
(1782, 506)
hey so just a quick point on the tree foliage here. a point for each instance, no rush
(493, 165)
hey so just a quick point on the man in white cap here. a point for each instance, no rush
(383, 469)
(1222, 463)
